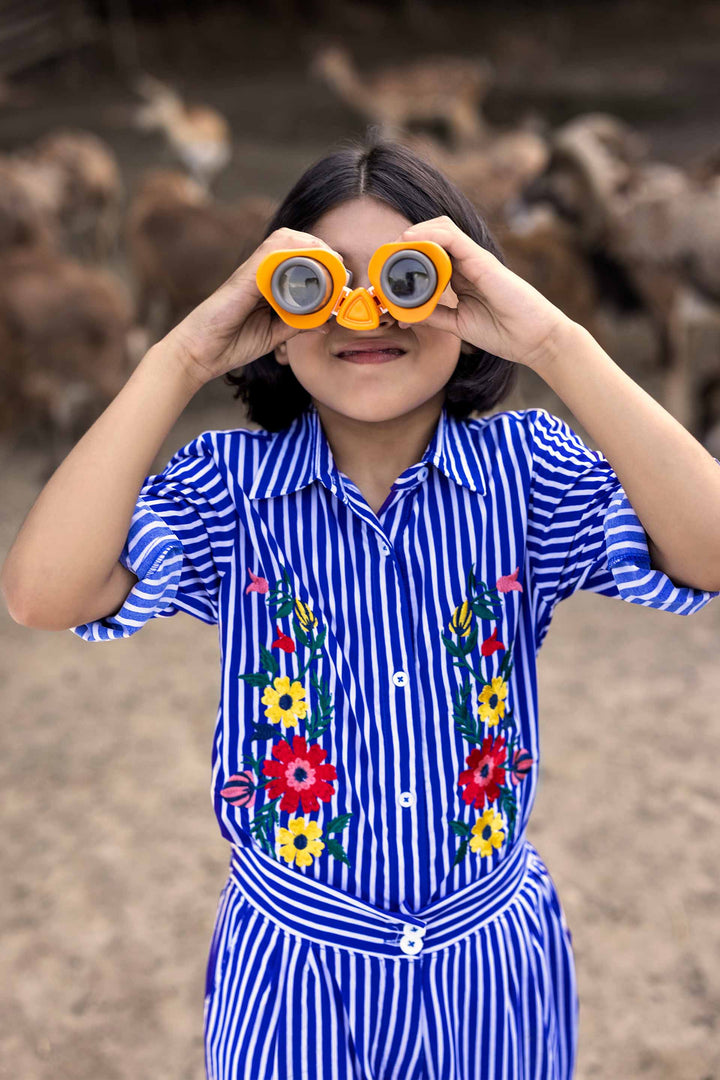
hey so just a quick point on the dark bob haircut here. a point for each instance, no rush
(393, 174)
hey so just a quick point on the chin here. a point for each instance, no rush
(370, 410)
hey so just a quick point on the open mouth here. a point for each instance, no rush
(370, 356)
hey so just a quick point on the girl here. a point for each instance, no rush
(383, 570)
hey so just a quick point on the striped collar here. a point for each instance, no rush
(300, 454)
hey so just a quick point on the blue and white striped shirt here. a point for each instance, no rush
(378, 718)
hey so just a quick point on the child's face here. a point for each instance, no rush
(370, 392)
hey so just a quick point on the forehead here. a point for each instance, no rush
(357, 227)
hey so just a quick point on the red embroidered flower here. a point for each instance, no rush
(485, 775)
(240, 789)
(299, 776)
(491, 644)
(283, 641)
(521, 765)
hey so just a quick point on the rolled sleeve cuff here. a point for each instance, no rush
(628, 558)
(155, 555)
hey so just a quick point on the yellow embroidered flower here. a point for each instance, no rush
(299, 842)
(285, 702)
(487, 832)
(461, 621)
(304, 616)
(492, 701)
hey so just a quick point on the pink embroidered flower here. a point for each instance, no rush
(258, 584)
(240, 789)
(299, 775)
(283, 641)
(521, 765)
(491, 644)
(509, 582)
(485, 775)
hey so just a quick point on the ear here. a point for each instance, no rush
(281, 354)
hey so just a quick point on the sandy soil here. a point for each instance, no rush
(110, 860)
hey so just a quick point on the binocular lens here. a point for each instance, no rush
(408, 278)
(300, 285)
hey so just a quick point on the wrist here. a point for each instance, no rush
(560, 342)
(166, 354)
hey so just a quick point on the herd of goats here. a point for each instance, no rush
(580, 212)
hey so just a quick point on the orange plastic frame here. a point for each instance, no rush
(360, 308)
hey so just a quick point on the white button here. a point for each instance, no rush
(422, 475)
(410, 929)
(385, 549)
(410, 945)
(406, 798)
(400, 678)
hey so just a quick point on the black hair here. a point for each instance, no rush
(395, 175)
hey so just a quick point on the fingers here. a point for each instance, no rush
(441, 318)
(449, 236)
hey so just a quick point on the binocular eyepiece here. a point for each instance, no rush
(307, 286)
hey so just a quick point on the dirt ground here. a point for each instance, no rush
(110, 859)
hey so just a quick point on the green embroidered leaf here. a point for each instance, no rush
(461, 853)
(318, 727)
(336, 849)
(471, 641)
(299, 632)
(256, 679)
(508, 803)
(255, 762)
(483, 610)
(338, 824)
(262, 732)
(285, 608)
(269, 661)
(453, 649)
(460, 828)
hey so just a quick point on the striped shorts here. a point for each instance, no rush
(307, 983)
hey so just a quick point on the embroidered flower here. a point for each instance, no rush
(299, 842)
(487, 833)
(284, 701)
(521, 765)
(258, 584)
(462, 620)
(485, 774)
(492, 701)
(491, 644)
(283, 641)
(299, 776)
(304, 616)
(240, 789)
(509, 583)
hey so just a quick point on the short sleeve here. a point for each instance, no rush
(179, 544)
(583, 532)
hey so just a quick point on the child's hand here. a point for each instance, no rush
(497, 310)
(236, 325)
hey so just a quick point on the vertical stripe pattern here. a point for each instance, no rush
(401, 729)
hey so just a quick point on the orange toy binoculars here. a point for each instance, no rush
(306, 286)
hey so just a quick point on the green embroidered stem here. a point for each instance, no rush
(317, 725)
(334, 846)
(262, 823)
(460, 829)
(465, 722)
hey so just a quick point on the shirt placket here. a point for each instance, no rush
(411, 798)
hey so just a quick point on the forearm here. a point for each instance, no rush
(672, 482)
(67, 549)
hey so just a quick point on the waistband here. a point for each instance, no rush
(330, 917)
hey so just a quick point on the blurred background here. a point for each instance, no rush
(142, 149)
